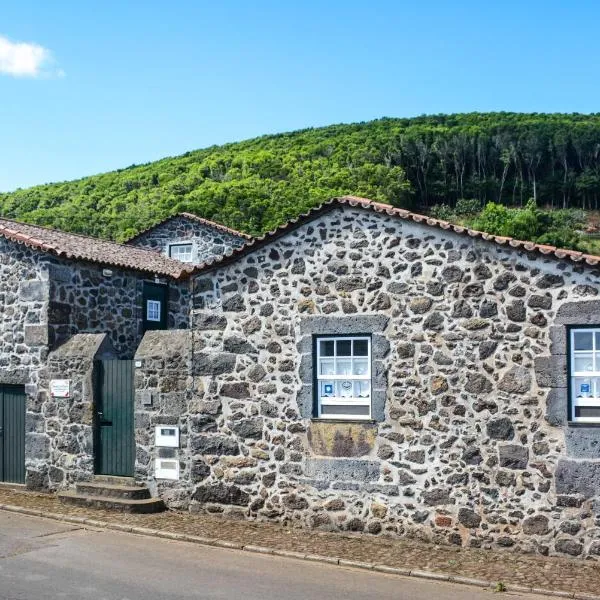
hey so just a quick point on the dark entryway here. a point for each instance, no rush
(12, 433)
(115, 444)
(155, 305)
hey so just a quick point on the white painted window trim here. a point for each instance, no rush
(153, 310)
(179, 245)
(343, 401)
(594, 398)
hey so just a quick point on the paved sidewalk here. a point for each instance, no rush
(574, 577)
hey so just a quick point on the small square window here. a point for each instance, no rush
(584, 372)
(153, 310)
(343, 368)
(182, 252)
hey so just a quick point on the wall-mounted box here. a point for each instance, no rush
(166, 436)
(166, 468)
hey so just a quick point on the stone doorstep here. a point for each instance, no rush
(146, 505)
(297, 555)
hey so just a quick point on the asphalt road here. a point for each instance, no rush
(42, 559)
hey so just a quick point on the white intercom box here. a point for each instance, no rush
(166, 468)
(166, 436)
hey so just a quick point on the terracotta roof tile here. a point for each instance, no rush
(195, 218)
(365, 203)
(85, 248)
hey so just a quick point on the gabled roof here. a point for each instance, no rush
(81, 247)
(399, 213)
(196, 219)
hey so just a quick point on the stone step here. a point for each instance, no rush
(108, 490)
(146, 505)
(116, 480)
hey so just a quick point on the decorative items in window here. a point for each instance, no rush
(343, 376)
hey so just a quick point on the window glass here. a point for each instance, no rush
(585, 375)
(361, 347)
(327, 348)
(153, 310)
(182, 252)
(344, 348)
(344, 377)
(583, 340)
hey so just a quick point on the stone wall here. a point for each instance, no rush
(465, 447)
(23, 319)
(208, 242)
(59, 438)
(94, 299)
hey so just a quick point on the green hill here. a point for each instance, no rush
(415, 163)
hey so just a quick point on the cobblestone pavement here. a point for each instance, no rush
(558, 574)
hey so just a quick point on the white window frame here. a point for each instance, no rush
(593, 400)
(339, 401)
(180, 245)
(153, 310)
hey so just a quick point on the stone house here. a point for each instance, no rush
(66, 298)
(368, 369)
(189, 238)
(362, 368)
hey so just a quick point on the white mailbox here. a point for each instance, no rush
(166, 468)
(166, 436)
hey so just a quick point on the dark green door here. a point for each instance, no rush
(12, 433)
(115, 444)
(155, 305)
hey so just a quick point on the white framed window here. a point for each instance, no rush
(343, 377)
(182, 252)
(585, 375)
(153, 310)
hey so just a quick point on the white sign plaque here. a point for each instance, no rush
(60, 388)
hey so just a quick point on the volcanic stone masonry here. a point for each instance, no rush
(208, 242)
(469, 442)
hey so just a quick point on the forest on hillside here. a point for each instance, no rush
(428, 163)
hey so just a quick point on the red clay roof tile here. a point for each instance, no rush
(81, 247)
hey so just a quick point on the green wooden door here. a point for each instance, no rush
(115, 444)
(12, 433)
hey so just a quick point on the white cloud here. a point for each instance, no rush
(23, 59)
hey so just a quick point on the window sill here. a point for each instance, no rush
(577, 424)
(351, 421)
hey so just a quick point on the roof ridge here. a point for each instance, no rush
(380, 207)
(194, 217)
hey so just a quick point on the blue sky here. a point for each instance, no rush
(103, 85)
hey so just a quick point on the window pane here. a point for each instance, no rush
(327, 389)
(597, 334)
(582, 387)
(592, 412)
(345, 389)
(153, 310)
(344, 366)
(327, 367)
(353, 410)
(361, 347)
(583, 340)
(344, 348)
(360, 366)
(327, 347)
(362, 389)
(583, 362)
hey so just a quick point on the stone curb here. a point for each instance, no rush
(183, 537)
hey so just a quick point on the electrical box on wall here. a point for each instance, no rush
(166, 436)
(166, 468)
